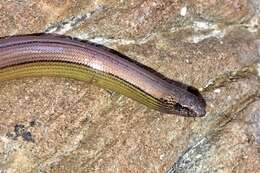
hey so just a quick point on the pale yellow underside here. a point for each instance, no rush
(82, 73)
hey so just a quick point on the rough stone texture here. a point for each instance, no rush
(64, 125)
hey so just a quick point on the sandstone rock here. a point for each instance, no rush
(78, 127)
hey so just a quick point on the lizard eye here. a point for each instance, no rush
(171, 106)
(182, 110)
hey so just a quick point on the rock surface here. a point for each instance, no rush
(62, 125)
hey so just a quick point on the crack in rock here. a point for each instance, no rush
(191, 157)
(230, 76)
(64, 26)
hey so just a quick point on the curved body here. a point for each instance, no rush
(52, 55)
